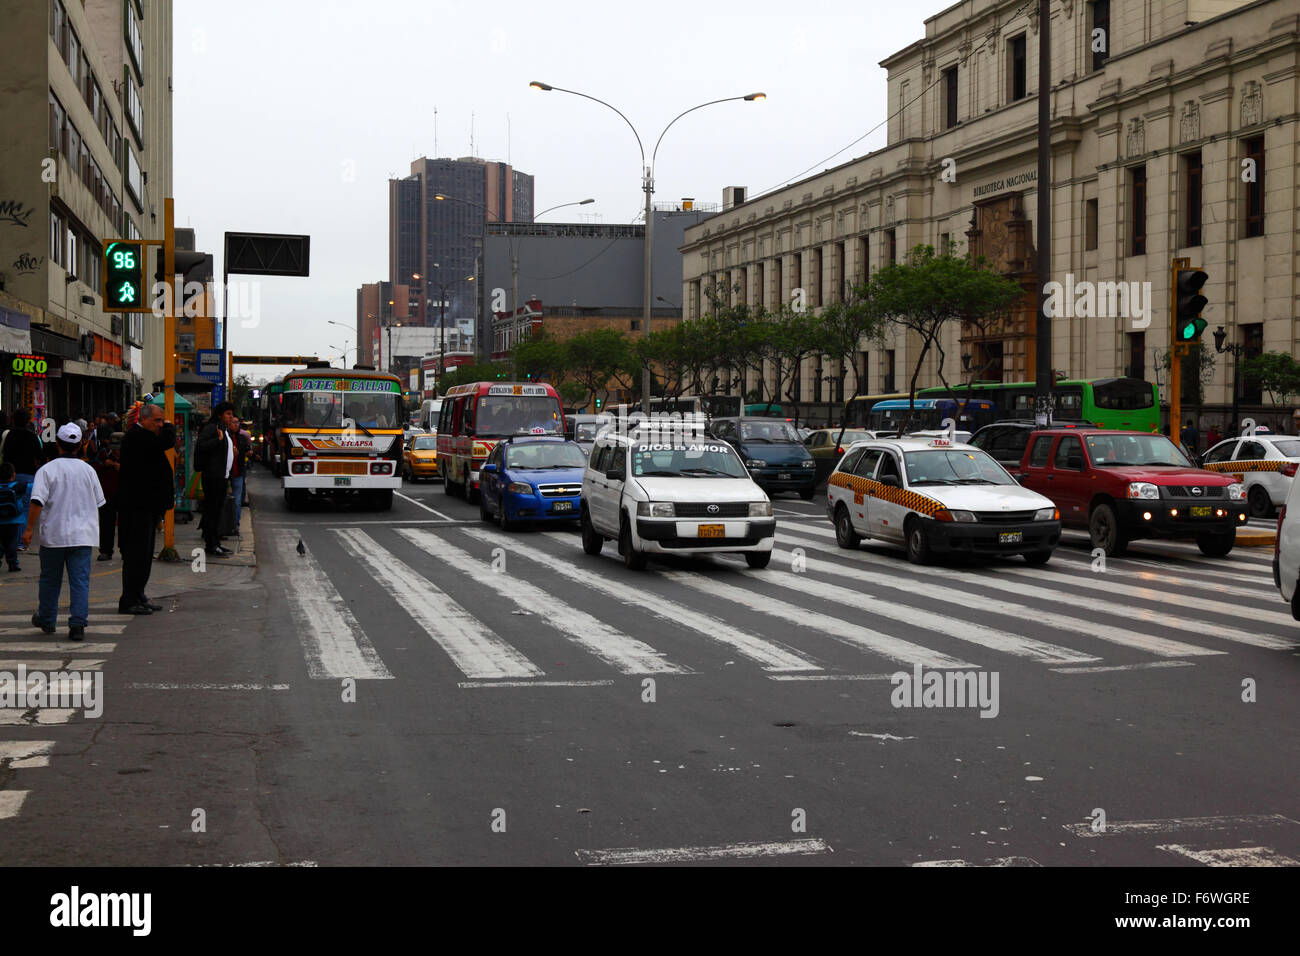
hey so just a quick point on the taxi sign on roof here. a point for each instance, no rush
(517, 390)
(940, 443)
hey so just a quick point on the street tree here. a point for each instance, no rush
(1277, 373)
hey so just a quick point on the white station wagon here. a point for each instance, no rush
(673, 493)
(1265, 464)
(935, 495)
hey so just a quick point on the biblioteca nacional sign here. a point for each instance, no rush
(997, 185)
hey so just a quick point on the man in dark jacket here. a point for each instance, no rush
(22, 449)
(144, 495)
(214, 456)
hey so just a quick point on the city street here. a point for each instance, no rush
(418, 687)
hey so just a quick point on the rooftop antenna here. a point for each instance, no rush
(471, 134)
(435, 131)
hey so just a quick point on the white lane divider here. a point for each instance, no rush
(985, 582)
(41, 716)
(996, 861)
(768, 655)
(1021, 614)
(1234, 856)
(693, 854)
(1149, 665)
(144, 685)
(55, 647)
(476, 651)
(624, 653)
(11, 801)
(332, 641)
(421, 504)
(18, 754)
(1176, 824)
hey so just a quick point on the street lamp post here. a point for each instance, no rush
(647, 184)
(442, 324)
(1235, 349)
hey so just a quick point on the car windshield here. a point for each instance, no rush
(1120, 449)
(330, 408)
(586, 431)
(690, 459)
(505, 415)
(545, 455)
(768, 431)
(424, 443)
(954, 466)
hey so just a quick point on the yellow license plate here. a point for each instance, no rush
(1201, 511)
(712, 531)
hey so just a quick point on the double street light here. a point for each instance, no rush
(647, 184)
(1235, 349)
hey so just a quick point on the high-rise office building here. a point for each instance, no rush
(441, 240)
(85, 103)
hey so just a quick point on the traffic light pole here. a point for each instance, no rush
(168, 552)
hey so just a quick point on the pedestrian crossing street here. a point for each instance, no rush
(507, 607)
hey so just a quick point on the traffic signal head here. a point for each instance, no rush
(599, 402)
(124, 276)
(1188, 304)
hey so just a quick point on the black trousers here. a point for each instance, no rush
(137, 536)
(214, 499)
(107, 527)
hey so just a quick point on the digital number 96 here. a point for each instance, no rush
(124, 260)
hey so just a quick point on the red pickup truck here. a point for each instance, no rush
(1123, 485)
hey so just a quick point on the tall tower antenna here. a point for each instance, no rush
(471, 134)
(435, 131)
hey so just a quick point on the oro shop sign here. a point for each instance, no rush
(30, 365)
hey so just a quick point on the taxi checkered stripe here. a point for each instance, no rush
(1241, 467)
(898, 496)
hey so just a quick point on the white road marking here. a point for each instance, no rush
(474, 649)
(1078, 560)
(50, 664)
(11, 801)
(28, 631)
(307, 863)
(996, 861)
(205, 686)
(769, 655)
(333, 643)
(264, 523)
(25, 753)
(1150, 665)
(881, 737)
(420, 504)
(1235, 856)
(829, 676)
(14, 717)
(1162, 617)
(22, 624)
(55, 647)
(624, 653)
(471, 684)
(1175, 824)
(689, 854)
(1022, 614)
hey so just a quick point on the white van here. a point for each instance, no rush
(429, 413)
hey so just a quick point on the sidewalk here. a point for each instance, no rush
(18, 591)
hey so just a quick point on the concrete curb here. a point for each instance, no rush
(1256, 539)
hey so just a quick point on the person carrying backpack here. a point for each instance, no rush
(13, 509)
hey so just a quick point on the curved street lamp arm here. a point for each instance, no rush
(725, 99)
(640, 146)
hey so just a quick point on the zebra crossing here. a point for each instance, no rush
(501, 608)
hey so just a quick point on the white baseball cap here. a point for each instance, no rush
(70, 433)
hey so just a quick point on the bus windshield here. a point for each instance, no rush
(500, 416)
(312, 408)
(891, 419)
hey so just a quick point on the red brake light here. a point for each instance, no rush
(1289, 469)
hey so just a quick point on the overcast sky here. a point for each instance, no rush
(291, 116)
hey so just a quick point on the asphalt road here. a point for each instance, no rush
(420, 688)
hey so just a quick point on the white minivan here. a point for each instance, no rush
(673, 493)
(1286, 550)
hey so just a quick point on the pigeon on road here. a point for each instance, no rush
(301, 549)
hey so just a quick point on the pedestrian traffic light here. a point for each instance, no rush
(1188, 324)
(124, 276)
(599, 402)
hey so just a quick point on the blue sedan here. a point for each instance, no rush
(532, 479)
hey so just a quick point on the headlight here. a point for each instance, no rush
(655, 509)
(1143, 489)
(755, 463)
(1237, 491)
(962, 515)
(520, 488)
(1047, 514)
(760, 509)
(810, 464)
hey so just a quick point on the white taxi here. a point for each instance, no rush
(935, 495)
(1265, 464)
(672, 493)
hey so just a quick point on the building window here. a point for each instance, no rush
(760, 291)
(1192, 199)
(798, 275)
(779, 298)
(1253, 149)
(1017, 67)
(1138, 194)
(56, 237)
(742, 295)
(891, 246)
(1090, 224)
(1099, 33)
(887, 379)
(134, 111)
(863, 266)
(1252, 336)
(945, 243)
(1137, 352)
(56, 123)
(815, 280)
(950, 97)
(841, 277)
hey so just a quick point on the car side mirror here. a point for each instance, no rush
(1074, 462)
(615, 474)
(891, 481)
(489, 469)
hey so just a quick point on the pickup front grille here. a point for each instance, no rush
(700, 509)
(1004, 516)
(1185, 491)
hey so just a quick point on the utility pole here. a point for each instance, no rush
(168, 552)
(649, 282)
(1043, 378)
(1175, 354)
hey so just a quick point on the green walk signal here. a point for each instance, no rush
(1189, 304)
(124, 276)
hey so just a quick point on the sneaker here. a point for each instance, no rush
(47, 628)
(76, 633)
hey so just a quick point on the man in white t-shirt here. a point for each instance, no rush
(65, 498)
